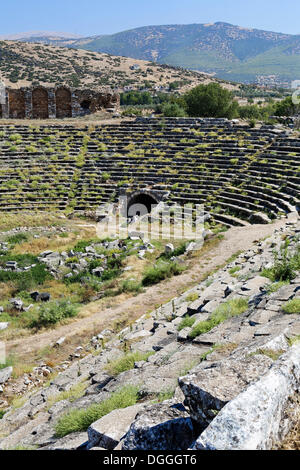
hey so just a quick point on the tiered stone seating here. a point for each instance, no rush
(232, 169)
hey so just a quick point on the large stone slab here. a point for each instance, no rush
(210, 388)
(160, 427)
(254, 419)
(71, 442)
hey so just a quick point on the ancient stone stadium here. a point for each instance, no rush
(142, 344)
(241, 175)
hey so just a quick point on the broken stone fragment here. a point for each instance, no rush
(161, 426)
(17, 304)
(5, 374)
(169, 248)
(109, 430)
(11, 265)
(60, 341)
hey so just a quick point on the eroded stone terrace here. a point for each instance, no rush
(234, 170)
(243, 371)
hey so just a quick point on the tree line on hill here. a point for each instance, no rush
(210, 100)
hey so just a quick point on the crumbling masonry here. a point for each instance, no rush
(62, 102)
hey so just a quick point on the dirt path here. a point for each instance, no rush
(236, 239)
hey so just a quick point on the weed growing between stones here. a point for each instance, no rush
(275, 286)
(187, 322)
(225, 311)
(81, 419)
(127, 362)
(286, 264)
(75, 392)
(293, 306)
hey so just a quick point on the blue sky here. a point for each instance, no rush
(90, 17)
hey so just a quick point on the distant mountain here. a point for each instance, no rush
(231, 52)
(32, 36)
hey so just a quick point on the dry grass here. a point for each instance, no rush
(9, 221)
(55, 243)
(6, 289)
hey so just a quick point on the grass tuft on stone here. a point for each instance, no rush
(225, 311)
(78, 420)
(293, 306)
(127, 362)
(186, 322)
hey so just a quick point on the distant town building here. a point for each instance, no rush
(272, 81)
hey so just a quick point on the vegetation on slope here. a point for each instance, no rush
(26, 64)
(234, 53)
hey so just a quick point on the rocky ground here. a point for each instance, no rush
(217, 367)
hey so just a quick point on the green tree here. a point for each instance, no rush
(134, 98)
(172, 110)
(210, 101)
(286, 107)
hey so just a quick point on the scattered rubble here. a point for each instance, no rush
(215, 390)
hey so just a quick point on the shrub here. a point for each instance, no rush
(225, 311)
(132, 111)
(293, 306)
(172, 110)
(210, 101)
(127, 362)
(285, 266)
(26, 280)
(15, 137)
(131, 286)
(18, 238)
(80, 419)
(161, 271)
(55, 312)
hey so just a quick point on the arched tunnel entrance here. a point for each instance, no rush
(140, 204)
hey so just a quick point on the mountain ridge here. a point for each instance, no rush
(229, 51)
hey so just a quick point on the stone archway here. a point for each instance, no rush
(40, 104)
(16, 102)
(63, 103)
(141, 203)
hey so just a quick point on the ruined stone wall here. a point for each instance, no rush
(16, 102)
(40, 104)
(61, 102)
